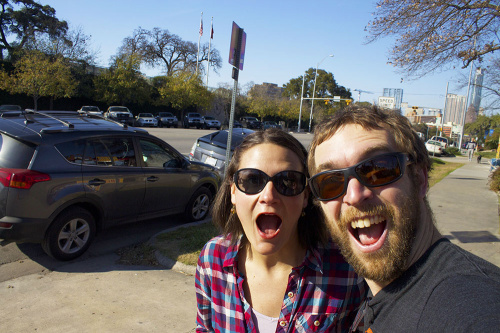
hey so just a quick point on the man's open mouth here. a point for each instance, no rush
(269, 225)
(369, 232)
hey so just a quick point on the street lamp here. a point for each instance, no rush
(314, 90)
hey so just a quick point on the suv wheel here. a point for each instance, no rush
(70, 235)
(199, 205)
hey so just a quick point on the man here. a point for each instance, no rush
(370, 179)
(471, 146)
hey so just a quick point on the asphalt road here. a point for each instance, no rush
(24, 259)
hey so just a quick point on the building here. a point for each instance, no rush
(477, 87)
(397, 93)
(266, 89)
(454, 109)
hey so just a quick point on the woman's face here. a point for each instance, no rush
(269, 219)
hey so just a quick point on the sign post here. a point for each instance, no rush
(236, 59)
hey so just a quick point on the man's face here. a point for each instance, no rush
(373, 226)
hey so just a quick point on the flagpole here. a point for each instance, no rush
(199, 39)
(209, 44)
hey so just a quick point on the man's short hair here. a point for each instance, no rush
(370, 118)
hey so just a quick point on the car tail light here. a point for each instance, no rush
(193, 148)
(21, 178)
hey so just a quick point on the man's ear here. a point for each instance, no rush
(422, 178)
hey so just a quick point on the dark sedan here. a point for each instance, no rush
(211, 148)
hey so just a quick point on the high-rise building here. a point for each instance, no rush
(454, 110)
(477, 87)
(397, 93)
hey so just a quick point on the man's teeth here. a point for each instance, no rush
(366, 222)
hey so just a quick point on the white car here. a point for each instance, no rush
(146, 119)
(120, 114)
(434, 147)
(93, 110)
(211, 122)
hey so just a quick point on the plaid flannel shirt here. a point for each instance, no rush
(322, 295)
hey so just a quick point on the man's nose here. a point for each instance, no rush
(269, 193)
(356, 192)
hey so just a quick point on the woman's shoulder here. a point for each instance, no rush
(217, 247)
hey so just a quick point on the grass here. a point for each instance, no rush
(185, 244)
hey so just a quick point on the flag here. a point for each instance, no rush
(212, 32)
(201, 25)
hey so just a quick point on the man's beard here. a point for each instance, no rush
(390, 261)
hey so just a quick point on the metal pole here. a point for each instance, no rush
(444, 110)
(314, 90)
(466, 101)
(199, 39)
(209, 44)
(301, 98)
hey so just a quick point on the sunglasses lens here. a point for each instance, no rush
(289, 183)
(250, 181)
(379, 170)
(328, 185)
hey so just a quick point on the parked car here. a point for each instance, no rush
(66, 177)
(236, 124)
(442, 139)
(271, 124)
(120, 114)
(251, 122)
(211, 148)
(211, 122)
(167, 119)
(93, 110)
(193, 119)
(146, 119)
(10, 107)
(434, 147)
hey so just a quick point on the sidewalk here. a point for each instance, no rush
(466, 211)
(100, 295)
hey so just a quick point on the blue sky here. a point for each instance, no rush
(284, 39)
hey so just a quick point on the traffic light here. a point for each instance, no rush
(348, 101)
(326, 102)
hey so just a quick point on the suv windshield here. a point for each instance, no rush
(165, 114)
(90, 108)
(118, 109)
(145, 115)
(194, 115)
(209, 118)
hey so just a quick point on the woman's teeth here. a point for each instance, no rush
(366, 222)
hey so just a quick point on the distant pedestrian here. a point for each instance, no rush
(471, 147)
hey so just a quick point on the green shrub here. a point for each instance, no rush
(452, 151)
(494, 180)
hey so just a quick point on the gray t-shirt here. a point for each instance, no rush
(447, 290)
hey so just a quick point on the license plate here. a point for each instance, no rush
(211, 161)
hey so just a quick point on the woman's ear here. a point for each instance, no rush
(233, 194)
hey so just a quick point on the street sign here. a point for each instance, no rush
(237, 47)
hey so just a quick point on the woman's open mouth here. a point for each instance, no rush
(269, 225)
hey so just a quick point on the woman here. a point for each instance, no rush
(272, 270)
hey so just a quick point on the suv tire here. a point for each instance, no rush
(199, 205)
(70, 235)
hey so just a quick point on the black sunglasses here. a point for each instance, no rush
(376, 171)
(288, 182)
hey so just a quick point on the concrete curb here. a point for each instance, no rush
(170, 263)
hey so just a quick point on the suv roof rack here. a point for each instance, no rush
(65, 123)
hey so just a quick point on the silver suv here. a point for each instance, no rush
(65, 176)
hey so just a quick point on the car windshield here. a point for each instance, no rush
(436, 143)
(90, 108)
(119, 109)
(145, 115)
(166, 114)
(10, 107)
(195, 115)
(209, 118)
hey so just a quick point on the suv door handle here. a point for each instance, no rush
(96, 182)
(152, 179)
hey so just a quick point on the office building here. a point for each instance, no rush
(397, 93)
(477, 87)
(455, 108)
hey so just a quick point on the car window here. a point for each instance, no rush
(156, 156)
(14, 153)
(72, 150)
(110, 152)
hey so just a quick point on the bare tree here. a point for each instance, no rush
(159, 47)
(436, 34)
